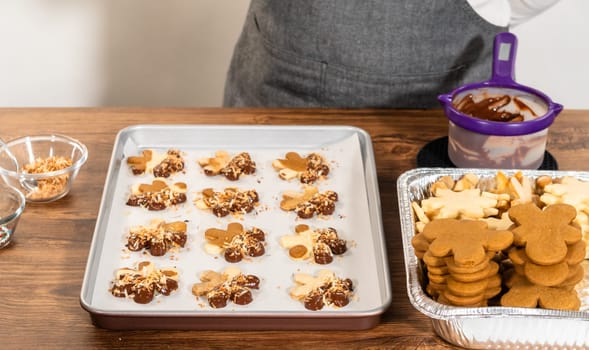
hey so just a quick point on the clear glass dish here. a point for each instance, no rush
(46, 186)
(12, 204)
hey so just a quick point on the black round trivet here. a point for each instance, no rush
(435, 155)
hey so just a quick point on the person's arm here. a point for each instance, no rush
(510, 13)
(523, 10)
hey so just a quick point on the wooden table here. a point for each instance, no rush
(42, 271)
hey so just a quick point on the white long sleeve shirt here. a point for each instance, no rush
(509, 12)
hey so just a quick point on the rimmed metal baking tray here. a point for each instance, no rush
(357, 219)
(486, 327)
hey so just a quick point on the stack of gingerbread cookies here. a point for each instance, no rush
(459, 258)
(540, 267)
(546, 255)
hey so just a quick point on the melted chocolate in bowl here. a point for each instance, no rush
(500, 105)
(488, 145)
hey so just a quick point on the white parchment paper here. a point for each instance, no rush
(275, 268)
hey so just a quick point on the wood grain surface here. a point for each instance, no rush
(42, 271)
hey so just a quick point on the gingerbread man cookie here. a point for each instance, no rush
(230, 285)
(158, 195)
(420, 244)
(546, 233)
(235, 242)
(467, 240)
(323, 289)
(143, 283)
(158, 238)
(571, 191)
(230, 201)
(307, 169)
(309, 203)
(544, 275)
(161, 165)
(523, 293)
(320, 244)
(231, 168)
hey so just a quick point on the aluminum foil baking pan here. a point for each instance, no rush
(487, 327)
(357, 219)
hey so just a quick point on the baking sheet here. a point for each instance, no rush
(487, 327)
(356, 219)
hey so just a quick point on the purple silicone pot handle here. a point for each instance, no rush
(504, 50)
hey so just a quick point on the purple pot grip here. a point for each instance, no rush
(504, 49)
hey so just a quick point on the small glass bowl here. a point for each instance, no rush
(12, 204)
(45, 186)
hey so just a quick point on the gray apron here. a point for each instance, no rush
(357, 53)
